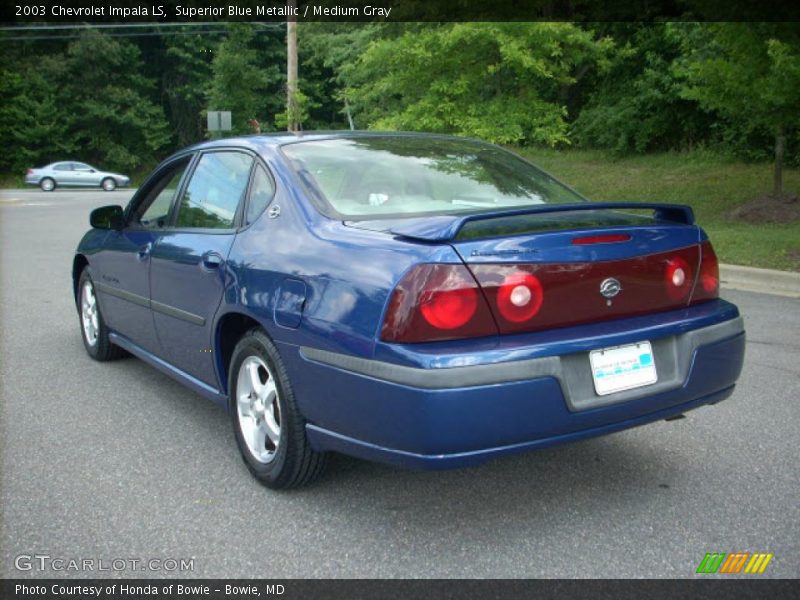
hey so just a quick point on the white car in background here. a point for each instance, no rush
(74, 174)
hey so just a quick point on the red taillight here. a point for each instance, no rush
(445, 302)
(708, 282)
(678, 278)
(520, 296)
(29, 171)
(573, 293)
(449, 309)
(434, 303)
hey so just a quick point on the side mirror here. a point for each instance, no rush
(107, 217)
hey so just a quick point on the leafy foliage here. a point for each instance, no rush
(186, 61)
(746, 72)
(749, 74)
(125, 102)
(243, 82)
(91, 98)
(496, 81)
(637, 105)
(114, 119)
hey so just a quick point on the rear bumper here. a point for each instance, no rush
(450, 417)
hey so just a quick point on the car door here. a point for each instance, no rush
(65, 173)
(85, 175)
(187, 270)
(122, 269)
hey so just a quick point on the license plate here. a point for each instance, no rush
(623, 368)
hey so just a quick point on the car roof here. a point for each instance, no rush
(281, 138)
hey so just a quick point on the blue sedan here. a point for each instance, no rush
(421, 300)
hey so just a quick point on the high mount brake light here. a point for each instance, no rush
(434, 303)
(606, 238)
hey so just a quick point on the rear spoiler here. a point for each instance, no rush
(445, 228)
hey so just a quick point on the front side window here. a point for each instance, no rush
(154, 211)
(217, 186)
(371, 176)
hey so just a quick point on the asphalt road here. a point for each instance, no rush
(110, 461)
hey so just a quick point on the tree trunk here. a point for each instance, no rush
(291, 72)
(780, 148)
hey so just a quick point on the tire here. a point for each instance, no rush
(94, 332)
(108, 184)
(269, 429)
(47, 184)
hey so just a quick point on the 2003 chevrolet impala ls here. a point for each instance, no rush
(422, 300)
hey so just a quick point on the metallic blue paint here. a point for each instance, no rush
(180, 278)
(310, 280)
(557, 247)
(323, 440)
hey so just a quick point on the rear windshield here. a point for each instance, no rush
(375, 176)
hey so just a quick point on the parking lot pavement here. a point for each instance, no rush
(106, 461)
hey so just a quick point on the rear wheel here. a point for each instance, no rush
(109, 184)
(93, 327)
(269, 429)
(47, 184)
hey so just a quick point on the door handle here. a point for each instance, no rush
(144, 251)
(211, 261)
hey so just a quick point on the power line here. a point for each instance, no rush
(125, 26)
(121, 35)
(29, 37)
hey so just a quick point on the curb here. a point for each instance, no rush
(764, 281)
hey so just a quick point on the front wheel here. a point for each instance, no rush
(109, 184)
(269, 429)
(93, 327)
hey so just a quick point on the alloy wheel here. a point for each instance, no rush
(258, 409)
(89, 317)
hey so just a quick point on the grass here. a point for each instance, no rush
(712, 185)
(12, 181)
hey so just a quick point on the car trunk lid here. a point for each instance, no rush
(556, 265)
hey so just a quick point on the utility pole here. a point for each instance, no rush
(291, 70)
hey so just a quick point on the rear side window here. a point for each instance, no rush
(63, 167)
(216, 189)
(261, 193)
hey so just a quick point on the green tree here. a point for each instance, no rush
(502, 82)
(32, 128)
(245, 78)
(185, 64)
(749, 73)
(636, 105)
(106, 105)
(85, 100)
(329, 53)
